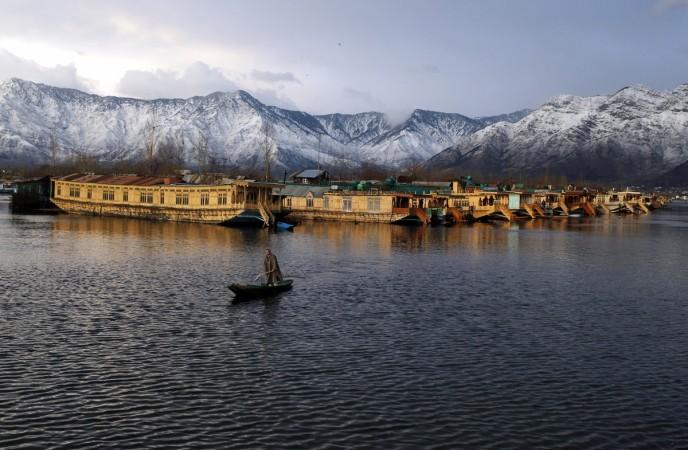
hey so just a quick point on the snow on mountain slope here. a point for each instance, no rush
(421, 136)
(354, 129)
(635, 133)
(113, 128)
(424, 134)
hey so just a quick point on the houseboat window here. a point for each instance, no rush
(374, 204)
(326, 202)
(205, 198)
(287, 202)
(59, 190)
(108, 195)
(222, 198)
(162, 197)
(146, 197)
(89, 193)
(346, 204)
(181, 199)
(74, 191)
(125, 196)
(309, 200)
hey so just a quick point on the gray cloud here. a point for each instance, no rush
(477, 58)
(274, 77)
(361, 96)
(273, 97)
(61, 75)
(425, 69)
(662, 6)
(197, 79)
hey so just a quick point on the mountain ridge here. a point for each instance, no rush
(113, 128)
(636, 133)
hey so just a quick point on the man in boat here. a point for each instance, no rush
(272, 269)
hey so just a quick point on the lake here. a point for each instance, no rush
(543, 334)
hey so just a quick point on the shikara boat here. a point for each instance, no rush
(284, 226)
(260, 290)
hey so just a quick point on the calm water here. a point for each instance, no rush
(550, 334)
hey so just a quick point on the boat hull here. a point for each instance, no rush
(246, 291)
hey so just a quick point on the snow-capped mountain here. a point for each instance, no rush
(113, 128)
(635, 133)
(354, 129)
(420, 137)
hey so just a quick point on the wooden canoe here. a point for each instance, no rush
(260, 290)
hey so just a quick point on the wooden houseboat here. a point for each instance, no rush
(580, 202)
(549, 204)
(304, 202)
(236, 202)
(625, 202)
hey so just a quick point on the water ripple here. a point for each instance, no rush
(121, 333)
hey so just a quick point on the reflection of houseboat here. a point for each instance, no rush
(235, 202)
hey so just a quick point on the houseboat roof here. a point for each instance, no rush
(133, 180)
(309, 173)
(300, 190)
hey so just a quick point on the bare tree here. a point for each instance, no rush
(267, 147)
(413, 167)
(150, 140)
(200, 148)
(180, 145)
(54, 150)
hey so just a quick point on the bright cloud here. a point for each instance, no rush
(12, 66)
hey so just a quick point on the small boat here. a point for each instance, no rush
(7, 188)
(260, 290)
(284, 226)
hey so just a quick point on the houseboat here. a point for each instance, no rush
(306, 202)
(234, 202)
(625, 202)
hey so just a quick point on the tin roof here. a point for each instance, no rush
(133, 180)
(300, 190)
(310, 173)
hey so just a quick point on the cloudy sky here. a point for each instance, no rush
(474, 57)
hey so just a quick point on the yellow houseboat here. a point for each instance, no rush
(303, 202)
(236, 202)
(353, 205)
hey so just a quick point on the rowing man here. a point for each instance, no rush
(272, 269)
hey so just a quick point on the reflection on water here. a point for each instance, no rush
(546, 333)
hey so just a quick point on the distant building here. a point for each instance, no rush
(312, 176)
